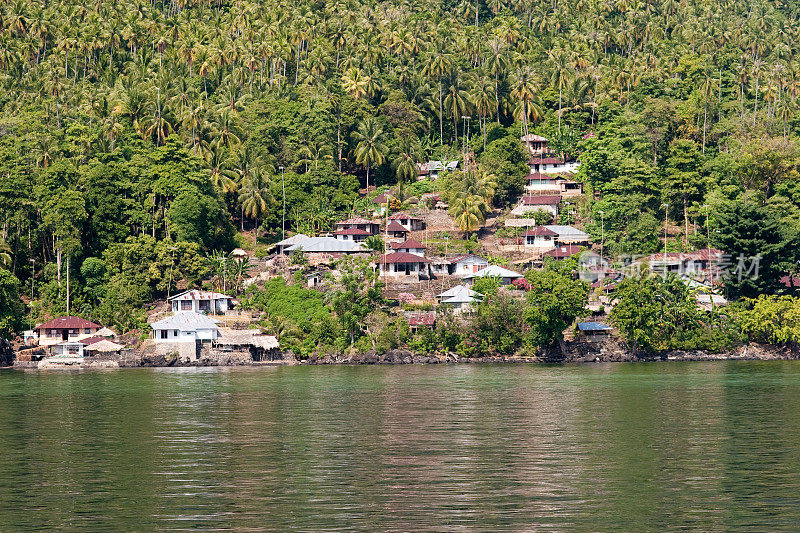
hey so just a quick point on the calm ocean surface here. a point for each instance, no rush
(634, 447)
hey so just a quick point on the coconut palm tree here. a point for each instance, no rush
(370, 149)
(255, 197)
(467, 213)
(405, 164)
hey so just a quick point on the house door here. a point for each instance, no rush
(64, 334)
(408, 268)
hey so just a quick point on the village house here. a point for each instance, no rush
(409, 222)
(460, 298)
(701, 264)
(540, 239)
(433, 169)
(84, 347)
(418, 319)
(63, 329)
(410, 246)
(590, 331)
(356, 229)
(529, 204)
(260, 347)
(552, 165)
(201, 302)
(536, 144)
(403, 265)
(463, 265)
(282, 246)
(542, 184)
(570, 188)
(568, 235)
(396, 231)
(505, 275)
(185, 327)
(563, 252)
(326, 245)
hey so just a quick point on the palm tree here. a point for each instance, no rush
(467, 213)
(375, 244)
(559, 62)
(524, 83)
(483, 100)
(436, 65)
(405, 164)
(370, 150)
(222, 176)
(255, 197)
(456, 101)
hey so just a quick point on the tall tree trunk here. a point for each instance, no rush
(441, 116)
(67, 284)
(58, 264)
(685, 219)
(705, 119)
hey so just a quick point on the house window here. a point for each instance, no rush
(163, 333)
(186, 305)
(175, 333)
(72, 349)
(87, 331)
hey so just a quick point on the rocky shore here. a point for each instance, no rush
(566, 353)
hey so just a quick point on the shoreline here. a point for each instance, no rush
(566, 353)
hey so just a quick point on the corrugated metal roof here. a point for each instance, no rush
(185, 321)
(593, 326)
(326, 245)
(196, 294)
(402, 257)
(68, 322)
(495, 271)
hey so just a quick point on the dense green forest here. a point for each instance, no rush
(136, 137)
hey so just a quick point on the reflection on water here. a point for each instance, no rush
(702, 446)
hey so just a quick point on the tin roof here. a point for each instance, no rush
(196, 294)
(68, 322)
(351, 231)
(593, 326)
(185, 321)
(544, 199)
(402, 257)
(403, 215)
(396, 227)
(422, 318)
(355, 221)
(410, 244)
(539, 231)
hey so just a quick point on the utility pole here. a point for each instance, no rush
(283, 219)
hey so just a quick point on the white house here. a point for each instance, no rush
(542, 183)
(356, 229)
(402, 264)
(568, 235)
(540, 238)
(536, 144)
(529, 204)
(505, 275)
(552, 165)
(464, 265)
(409, 222)
(461, 298)
(201, 302)
(434, 168)
(410, 246)
(185, 327)
(326, 245)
